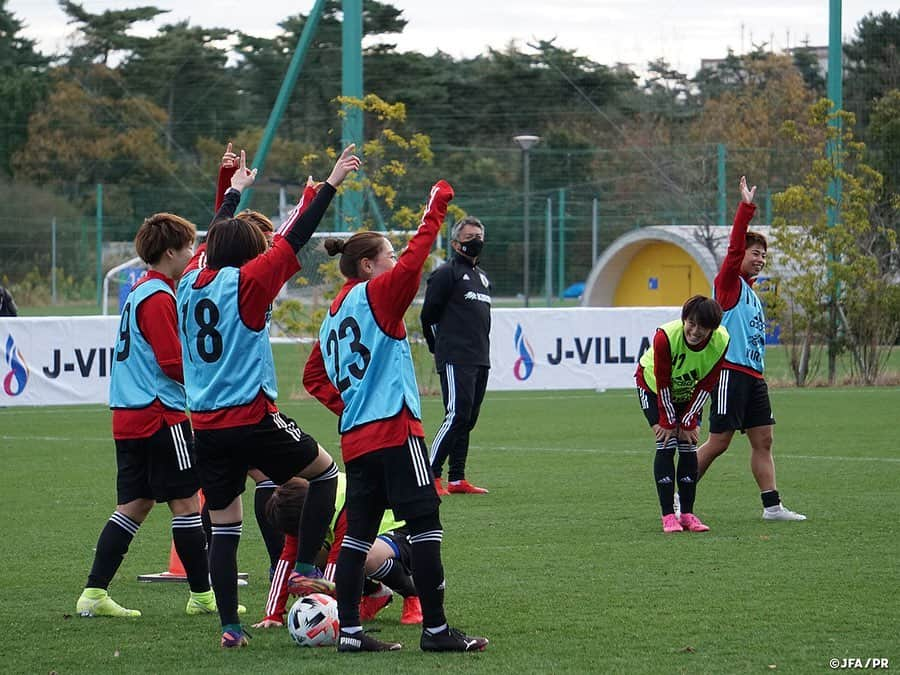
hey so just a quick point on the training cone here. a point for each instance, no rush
(176, 567)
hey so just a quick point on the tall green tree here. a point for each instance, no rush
(100, 35)
(872, 62)
(23, 84)
(845, 270)
(264, 62)
(78, 138)
(183, 70)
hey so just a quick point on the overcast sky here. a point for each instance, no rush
(608, 31)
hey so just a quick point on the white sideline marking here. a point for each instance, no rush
(518, 448)
(55, 439)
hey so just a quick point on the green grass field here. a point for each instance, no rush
(563, 566)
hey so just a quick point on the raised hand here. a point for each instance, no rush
(747, 194)
(346, 163)
(243, 177)
(442, 190)
(229, 159)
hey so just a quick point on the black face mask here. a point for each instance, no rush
(471, 248)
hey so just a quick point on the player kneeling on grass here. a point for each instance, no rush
(675, 378)
(387, 564)
(154, 445)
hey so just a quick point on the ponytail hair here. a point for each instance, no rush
(353, 250)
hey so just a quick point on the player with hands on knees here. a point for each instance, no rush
(675, 378)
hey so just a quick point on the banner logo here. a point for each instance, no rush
(15, 380)
(525, 363)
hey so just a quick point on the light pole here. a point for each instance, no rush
(526, 143)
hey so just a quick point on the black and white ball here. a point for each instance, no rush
(313, 621)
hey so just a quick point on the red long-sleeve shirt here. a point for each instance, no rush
(728, 280)
(158, 323)
(662, 370)
(259, 283)
(390, 295)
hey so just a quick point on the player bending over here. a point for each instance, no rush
(675, 378)
(387, 564)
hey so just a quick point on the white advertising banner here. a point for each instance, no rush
(575, 348)
(56, 360)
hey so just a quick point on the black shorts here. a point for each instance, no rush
(399, 478)
(161, 467)
(275, 445)
(650, 406)
(739, 402)
(398, 540)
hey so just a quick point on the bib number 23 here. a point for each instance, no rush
(348, 329)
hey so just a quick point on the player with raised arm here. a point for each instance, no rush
(742, 402)
(675, 378)
(231, 388)
(361, 369)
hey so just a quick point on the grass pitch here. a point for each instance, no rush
(563, 566)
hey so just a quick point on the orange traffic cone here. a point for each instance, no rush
(176, 567)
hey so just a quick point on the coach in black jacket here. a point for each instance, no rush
(456, 321)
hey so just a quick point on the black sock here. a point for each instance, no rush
(348, 578)
(318, 510)
(190, 544)
(428, 570)
(664, 475)
(112, 545)
(687, 476)
(207, 525)
(370, 586)
(223, 568)
(770, 498)
(273, 539)
(395, 577)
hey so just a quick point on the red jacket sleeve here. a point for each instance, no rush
(728, 280)
(198, 261)
(276, 603)
(157, 320)
(391, 294)
(340, 529)
(662, 370)
(262, 278)
(316, 382)
(224, 182)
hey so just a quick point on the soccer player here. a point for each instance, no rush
(387, 564)
(231, 388)
(361, 369)
(456, 322)
(675, 378)
(154, 445)
(742, 397)
(265, 488)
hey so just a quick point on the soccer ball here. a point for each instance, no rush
(313, 621)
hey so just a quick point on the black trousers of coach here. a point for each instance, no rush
(463, 390)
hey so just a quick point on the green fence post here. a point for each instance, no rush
(723, 192)
(561, 218)
(352, 86)
(99, 219)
